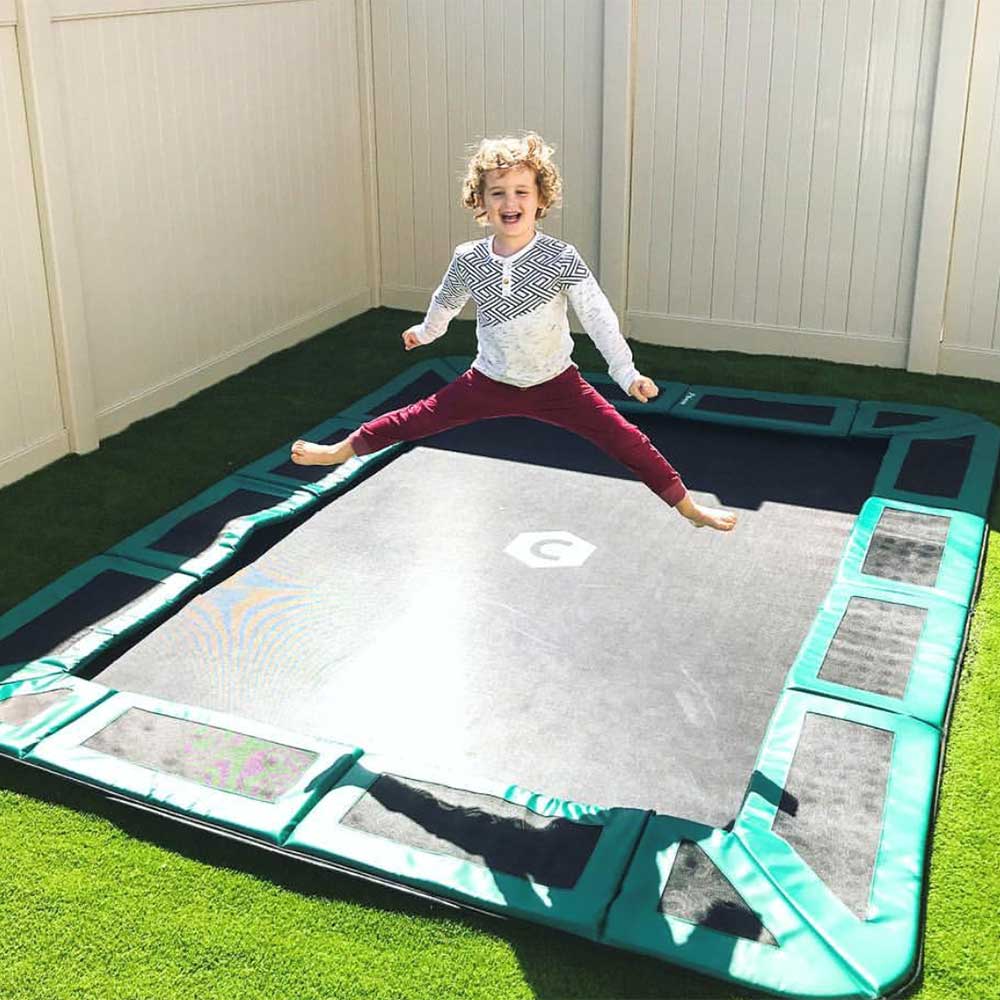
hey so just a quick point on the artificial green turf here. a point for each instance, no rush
(98, 901)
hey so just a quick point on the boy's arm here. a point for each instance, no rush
(446, 303)
(599, 320)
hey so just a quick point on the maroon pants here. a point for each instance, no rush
(567, 401)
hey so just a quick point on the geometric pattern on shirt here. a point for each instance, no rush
(548, 267)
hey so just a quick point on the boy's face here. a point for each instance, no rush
(511, 190)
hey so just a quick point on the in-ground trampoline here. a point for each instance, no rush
(494, 668)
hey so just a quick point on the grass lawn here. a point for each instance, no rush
(100, 902)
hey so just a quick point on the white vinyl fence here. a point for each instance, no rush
(189, 185)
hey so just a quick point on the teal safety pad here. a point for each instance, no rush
(198, 536)
(71, 619)
(797, 964)
(32, 671)
(38, 701)
(914, 549)
(460, 363)
(670, 393)
(881, 948)
(325, 832)
(955, 467)
(830, 416)
(927, 658)
(419, 380)
(885, 419)
(223, 769)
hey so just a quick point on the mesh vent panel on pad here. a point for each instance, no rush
(936, 467)
(310, 473)
(428, 383)
(195, 533)
(747, 406)
(613, 392)
(219, 758)
(831, 812)
(23, 707)
(102, 596)
(698, 892)
(907, 546)
(890, 418)
(874, 646)
(483, 829)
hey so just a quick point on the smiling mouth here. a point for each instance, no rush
(509, 220)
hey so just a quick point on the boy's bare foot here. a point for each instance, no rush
(700, 517)
(721, 520)
(307, 453)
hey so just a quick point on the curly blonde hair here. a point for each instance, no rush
(502, 153)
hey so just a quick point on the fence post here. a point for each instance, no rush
(944, 161)
(616, 151)
(50, 165)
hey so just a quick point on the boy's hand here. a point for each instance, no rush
(644, 389)
(410, 339)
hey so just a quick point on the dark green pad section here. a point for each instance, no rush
(484, 829)
(418, 381)
(953, 467)
(670, 393)
(423, 385)
(461, 363)
(823, 415)
(197, 531)
(219, 768)
(832, 804)
(38, 700)
(883, 419)
(907, 546)
(893, 418)
(936, 466)
(201, 534)
(482, 842)
(936, 456)
(75, 616)
(766, 409)
(82, 610)
(220, 758)
(874, 646)
(698, 892)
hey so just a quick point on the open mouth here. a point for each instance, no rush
(510, 219)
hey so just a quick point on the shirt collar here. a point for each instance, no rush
(513, 256)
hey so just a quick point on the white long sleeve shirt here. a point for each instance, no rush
(521, 324)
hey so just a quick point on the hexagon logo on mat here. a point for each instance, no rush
(550, 549)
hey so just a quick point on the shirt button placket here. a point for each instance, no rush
(506, 279)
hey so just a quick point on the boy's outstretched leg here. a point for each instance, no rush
(570, 401)
(471, 396)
